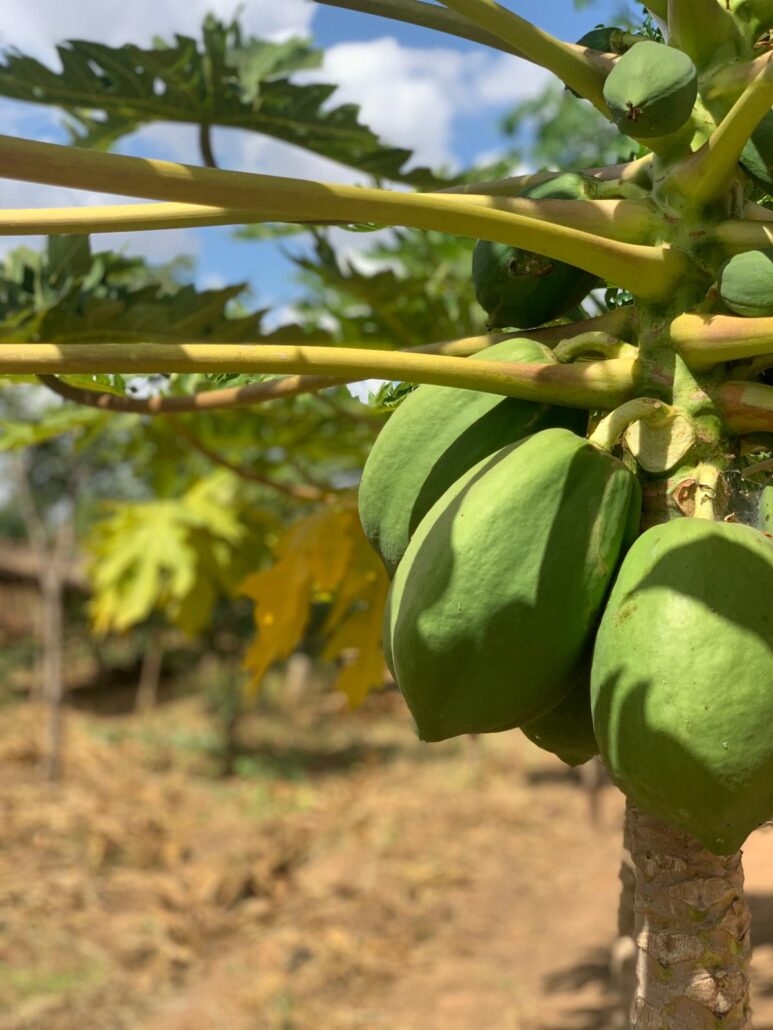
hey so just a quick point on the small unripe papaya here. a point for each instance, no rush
(746, 283)
(682, 679)
(435, 436)
(652, 90)
(609, 39)
(567, 730)
(520, 289)
(495, 601)
(757, 155)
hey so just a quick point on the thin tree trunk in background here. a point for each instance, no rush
(150, 674)
(692, 932)
(51, 559)
(53, 676)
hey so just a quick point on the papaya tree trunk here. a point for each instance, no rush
(53, 677)
(692, 932)
(623, 956)
(51, 556)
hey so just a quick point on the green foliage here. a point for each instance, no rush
(416, 290)
(17, 434)
(177, 554)
(225, 79)
(561, 133)
(68, 294)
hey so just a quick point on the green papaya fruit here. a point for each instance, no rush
(652, 90)
(609, 39)
(682, 679)
(746, 283)
(567, 729)
(386, 636)
(765, 513)
(518, 288)
(502, 583)
(436, 434)
(757, 155)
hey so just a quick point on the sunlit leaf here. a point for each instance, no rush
(175, 555)
(324, 557)
(16, 435)
(223, 79)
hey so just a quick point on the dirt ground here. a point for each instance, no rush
(348, 877)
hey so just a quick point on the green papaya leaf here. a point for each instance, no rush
(16, 434)
(224, 79)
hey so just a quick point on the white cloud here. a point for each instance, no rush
(410, 96)
(213, 281)
(365, 389)
(502, 80)
(35, 27)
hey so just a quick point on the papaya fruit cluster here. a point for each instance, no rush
(522, 597)
(498, 522)
(523, 593)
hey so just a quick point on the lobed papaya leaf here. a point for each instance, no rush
(17, 434)
(69, 294)
(223, 79)
(171, 554)
(414, 288)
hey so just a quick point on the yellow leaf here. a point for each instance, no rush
(282, 597)
(312, 558)
(357, 641)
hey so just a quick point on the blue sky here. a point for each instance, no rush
(435, 94)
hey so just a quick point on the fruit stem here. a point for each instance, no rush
(733, 78)
(699, 27)
(588, 384)
(659, 8)
(707, 482)
(580, 69)
(636, 172)
(594, 343)
(617, 219)
(428, 16)
(653, 272)
(745, 407)
(647, 409)
(740, 234)
(705, 340)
